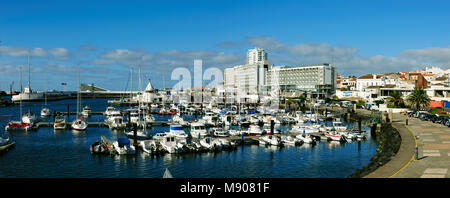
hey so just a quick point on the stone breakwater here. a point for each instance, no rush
(389, 141)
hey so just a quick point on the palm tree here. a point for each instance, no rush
(418, 98)
(395, 99)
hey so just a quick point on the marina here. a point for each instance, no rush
(242, 151)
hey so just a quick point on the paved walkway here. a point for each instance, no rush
(433, 141)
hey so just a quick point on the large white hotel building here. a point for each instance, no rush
(258, 76)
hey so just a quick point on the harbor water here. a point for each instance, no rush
(48, 154)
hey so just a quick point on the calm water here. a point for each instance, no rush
(45, 153)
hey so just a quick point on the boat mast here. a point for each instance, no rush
(29, 73)
(131, 87)
(78, 93)
(139, 92)
(45, 90)
(20, 94)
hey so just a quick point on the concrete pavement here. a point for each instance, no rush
(433, 141)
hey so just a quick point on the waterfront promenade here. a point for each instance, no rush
(433, 141)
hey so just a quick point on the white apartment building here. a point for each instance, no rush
(257, 56)
(248, 79)
(258, 77)
(318, 80)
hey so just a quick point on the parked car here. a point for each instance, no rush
(445, 121)
(434, 118)
(424, 116)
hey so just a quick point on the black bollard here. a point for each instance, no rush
(416, 153)
(406, 121)
(359, 124)
(68, 112)
(129, 119)
(272, 124)
(135, 135)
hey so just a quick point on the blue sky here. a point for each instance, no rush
(105, 38)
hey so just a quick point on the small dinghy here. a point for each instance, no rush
(149, 146)
(123, 146)
(5, 144)
(99, 148)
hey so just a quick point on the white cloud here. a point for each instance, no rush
(17, 51)
(60, 53)
(430, 55)
(267, 43)
(127, 57)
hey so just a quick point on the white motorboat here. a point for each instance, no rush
(45, 112)
(348, 135)
(255, 120)
(116, 123)
(207, 143)
(141, 134)
(254, 130)
(219, 132)
(181, 146)
(225, 143)
(169, 143)
(177, 131)
(334, 136)
(210, 118)
(86, 111)
(271, 140)
(60, 123)
(196, 146)
(149, 146)
(360, 136)
(115, 119)
(134, 116)
(309, 115)
(79, 124)
(160, 136)
(198, 129)
(306, 128)
(110, 110)
(306, 138)
(234, 132)
(339, 126)
(123, 147)
(289, 140)
(176, 119)
(154, 106)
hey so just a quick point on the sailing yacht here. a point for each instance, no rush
(79, 124)
(18, 125)
(29, 118)
(45, 112)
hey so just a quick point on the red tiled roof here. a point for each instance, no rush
(367, 76)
